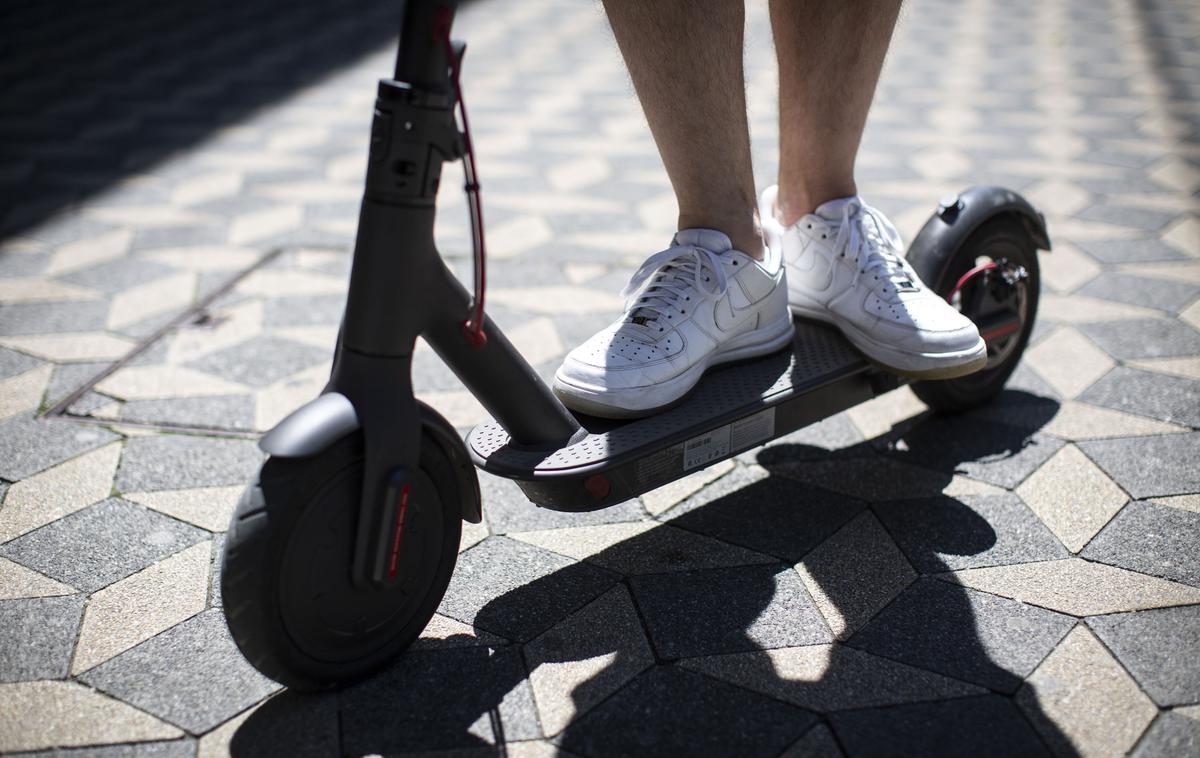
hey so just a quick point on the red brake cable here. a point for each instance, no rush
(962, 280)
(473, 326)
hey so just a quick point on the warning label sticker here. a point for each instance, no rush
(717, 444)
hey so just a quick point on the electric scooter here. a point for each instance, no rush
(338, 556)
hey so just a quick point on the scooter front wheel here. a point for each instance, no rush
(286, 585)
(993, 279)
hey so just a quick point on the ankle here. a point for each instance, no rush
(745, 234)
(795, 201)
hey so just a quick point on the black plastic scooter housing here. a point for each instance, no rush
(401, 289)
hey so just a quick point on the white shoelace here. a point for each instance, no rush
(663, 284)
(872, 241)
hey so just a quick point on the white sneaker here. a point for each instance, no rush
(845, 266)
(694, 305)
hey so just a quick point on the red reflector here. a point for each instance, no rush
(598, 485)
(398, 531)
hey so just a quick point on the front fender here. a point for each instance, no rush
(958, 216)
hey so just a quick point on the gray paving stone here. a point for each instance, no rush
(119, 275)
(173, 461)
(39, 635)
(1130, 251)
(668, 711)
(1147, 393)
(1139, 338)
(945, 533)
(303, 310)
(191, 675)
(994, 453)
(726, 610)
(214, 591)
(213, 412)
(13, 363)
(1150, 466)
(261, 360)
(29, 445)
(963, 633)
(290, 724)
(1152, 539)
(98, 545)
(1146, 219)
(517, 590)
(1171, 296)
(818, 742)
(508, 510)
(440, 700)
(52, 318)
(816, 440)
(1158, 647)
(185, 748)
(768, 514)
(1170, 734)
(976, 726)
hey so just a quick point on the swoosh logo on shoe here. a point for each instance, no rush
(817, 275)
(726, 316)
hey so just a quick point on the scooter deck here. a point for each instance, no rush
(734, 408)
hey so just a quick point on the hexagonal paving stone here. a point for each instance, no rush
(52, 318)
(191, 675)
(29, 445)
(964, 633)
(727, 610)
(975, 530)
(1153, 539)
(1172, 733)
(1165, 295)
(767, 514)
(171, 462)
(1137, 339)
(39, 635)
(440, 700)
(518, 590)
(212, 412)
(1150, 466)
(1167, 398)
(96, 546)
(671, 712)
(1158, 647)
(260, 361)
(988, 725)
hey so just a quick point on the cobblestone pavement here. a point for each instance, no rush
(1022, 580)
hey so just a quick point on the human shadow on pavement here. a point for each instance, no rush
(818, 617)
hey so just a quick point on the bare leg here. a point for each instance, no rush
(685, 59)
(830, 55)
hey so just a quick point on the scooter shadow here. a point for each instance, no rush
(650, 698)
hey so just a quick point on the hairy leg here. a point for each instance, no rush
(685, 59)
(830, 55)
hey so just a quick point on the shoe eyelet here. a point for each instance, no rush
(823, 236)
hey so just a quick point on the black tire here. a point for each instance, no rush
(1000, 237)
(285, 583)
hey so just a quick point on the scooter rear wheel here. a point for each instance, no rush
(286, 577)
(1002, 240)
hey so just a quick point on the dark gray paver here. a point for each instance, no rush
(818, 742)
(508, 510)
(668, 711)
(314, 310)
(1150, 466)
(52, 318)
(995, 453)
(171, 462)
(1163, 294)
(1135, 339)
(726, 610)
(944, 533)
(772, 515)
(964, 633)
(1170, 734)
(96, 546)
(260, 361)
(1146, 219)
(215, 412)
(29, 445)
(218, 562)
(38, 636)
(184, 748)
(290, 724)
(517, 590)
(13, 363)
(1126, 251)
(429, 700)
(817, 440)
(119, 275)
(1153, 539)
(1158, 647)
(1146, 393)
(976, 726)
(191, 675)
